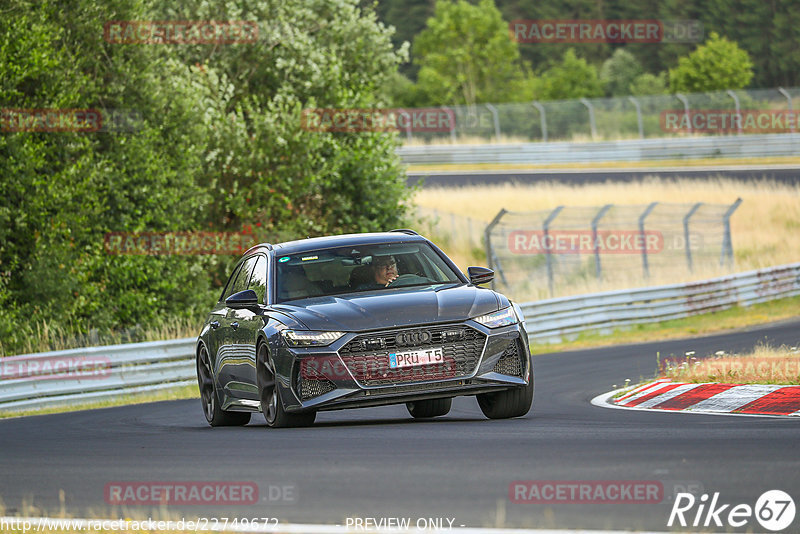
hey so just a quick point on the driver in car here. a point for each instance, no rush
(384, 271)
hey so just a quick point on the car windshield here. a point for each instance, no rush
(361, 268)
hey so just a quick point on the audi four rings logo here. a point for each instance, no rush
(412, 338)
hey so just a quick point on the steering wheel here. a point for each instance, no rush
(406, 277)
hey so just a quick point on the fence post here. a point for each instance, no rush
(686, 235)
(592, 122)
(595, 221)
(642, 217)
(543, 115)
(638, 116)
(785, 93)
(685, 110)
(549, 257)
(738, 110)
(496, 119)
(491, 259)
(452, 115)
(727, 244)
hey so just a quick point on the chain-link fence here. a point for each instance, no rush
(716, 113)
(459, 235)
(568, 249)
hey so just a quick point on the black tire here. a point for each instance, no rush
(270, 395)
(514, 402)
(210, 398)
(429, 408)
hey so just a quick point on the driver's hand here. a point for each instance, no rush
(391, 279)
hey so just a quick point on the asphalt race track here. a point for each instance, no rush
(377, 462)
(787, 174)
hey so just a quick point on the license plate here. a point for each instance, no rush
(413, 358)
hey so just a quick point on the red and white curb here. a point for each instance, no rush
(708, 398)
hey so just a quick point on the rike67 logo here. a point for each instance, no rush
(774, 510)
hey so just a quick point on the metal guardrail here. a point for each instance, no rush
(554, 319)
(47, 379)
(29, 381)
(732, 146)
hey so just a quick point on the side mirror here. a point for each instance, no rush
(242, 299)
(480, 275)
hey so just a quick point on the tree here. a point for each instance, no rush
(466, 56)
(572, 78)
(717, 65)
(220, 145)
(619, 72)
(649, 84)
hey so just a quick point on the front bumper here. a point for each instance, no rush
(354, 371)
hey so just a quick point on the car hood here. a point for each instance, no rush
(392, 308)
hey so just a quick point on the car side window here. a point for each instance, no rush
(231, 282)
(241, 282)
(258, 282)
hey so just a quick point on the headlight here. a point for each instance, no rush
(307, 338)
(503, 317)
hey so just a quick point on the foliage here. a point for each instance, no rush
(766, 30)
(466, 56)
(649, 84)
(572, 78)
(219, 146)
(619, 72)
(717, 65)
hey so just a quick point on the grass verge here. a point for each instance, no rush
(762, 365)
(731, 319)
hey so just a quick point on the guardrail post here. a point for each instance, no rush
(543, 115)
(686, 235)
(496, 118)
(592, 122)
(642, 217)
(785, 93)
(549, 257)
(727, 243)
(595, 221)
(407, 115)
(738, 110)
(452, 115)
(686, 110)
(491, 259)
(638, 116)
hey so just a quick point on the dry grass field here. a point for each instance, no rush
(765, 228)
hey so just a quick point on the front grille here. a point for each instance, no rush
(310, 388)
(509, 363)
(367, 355)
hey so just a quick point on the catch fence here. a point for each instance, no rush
(731, 112)
(542, 253)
